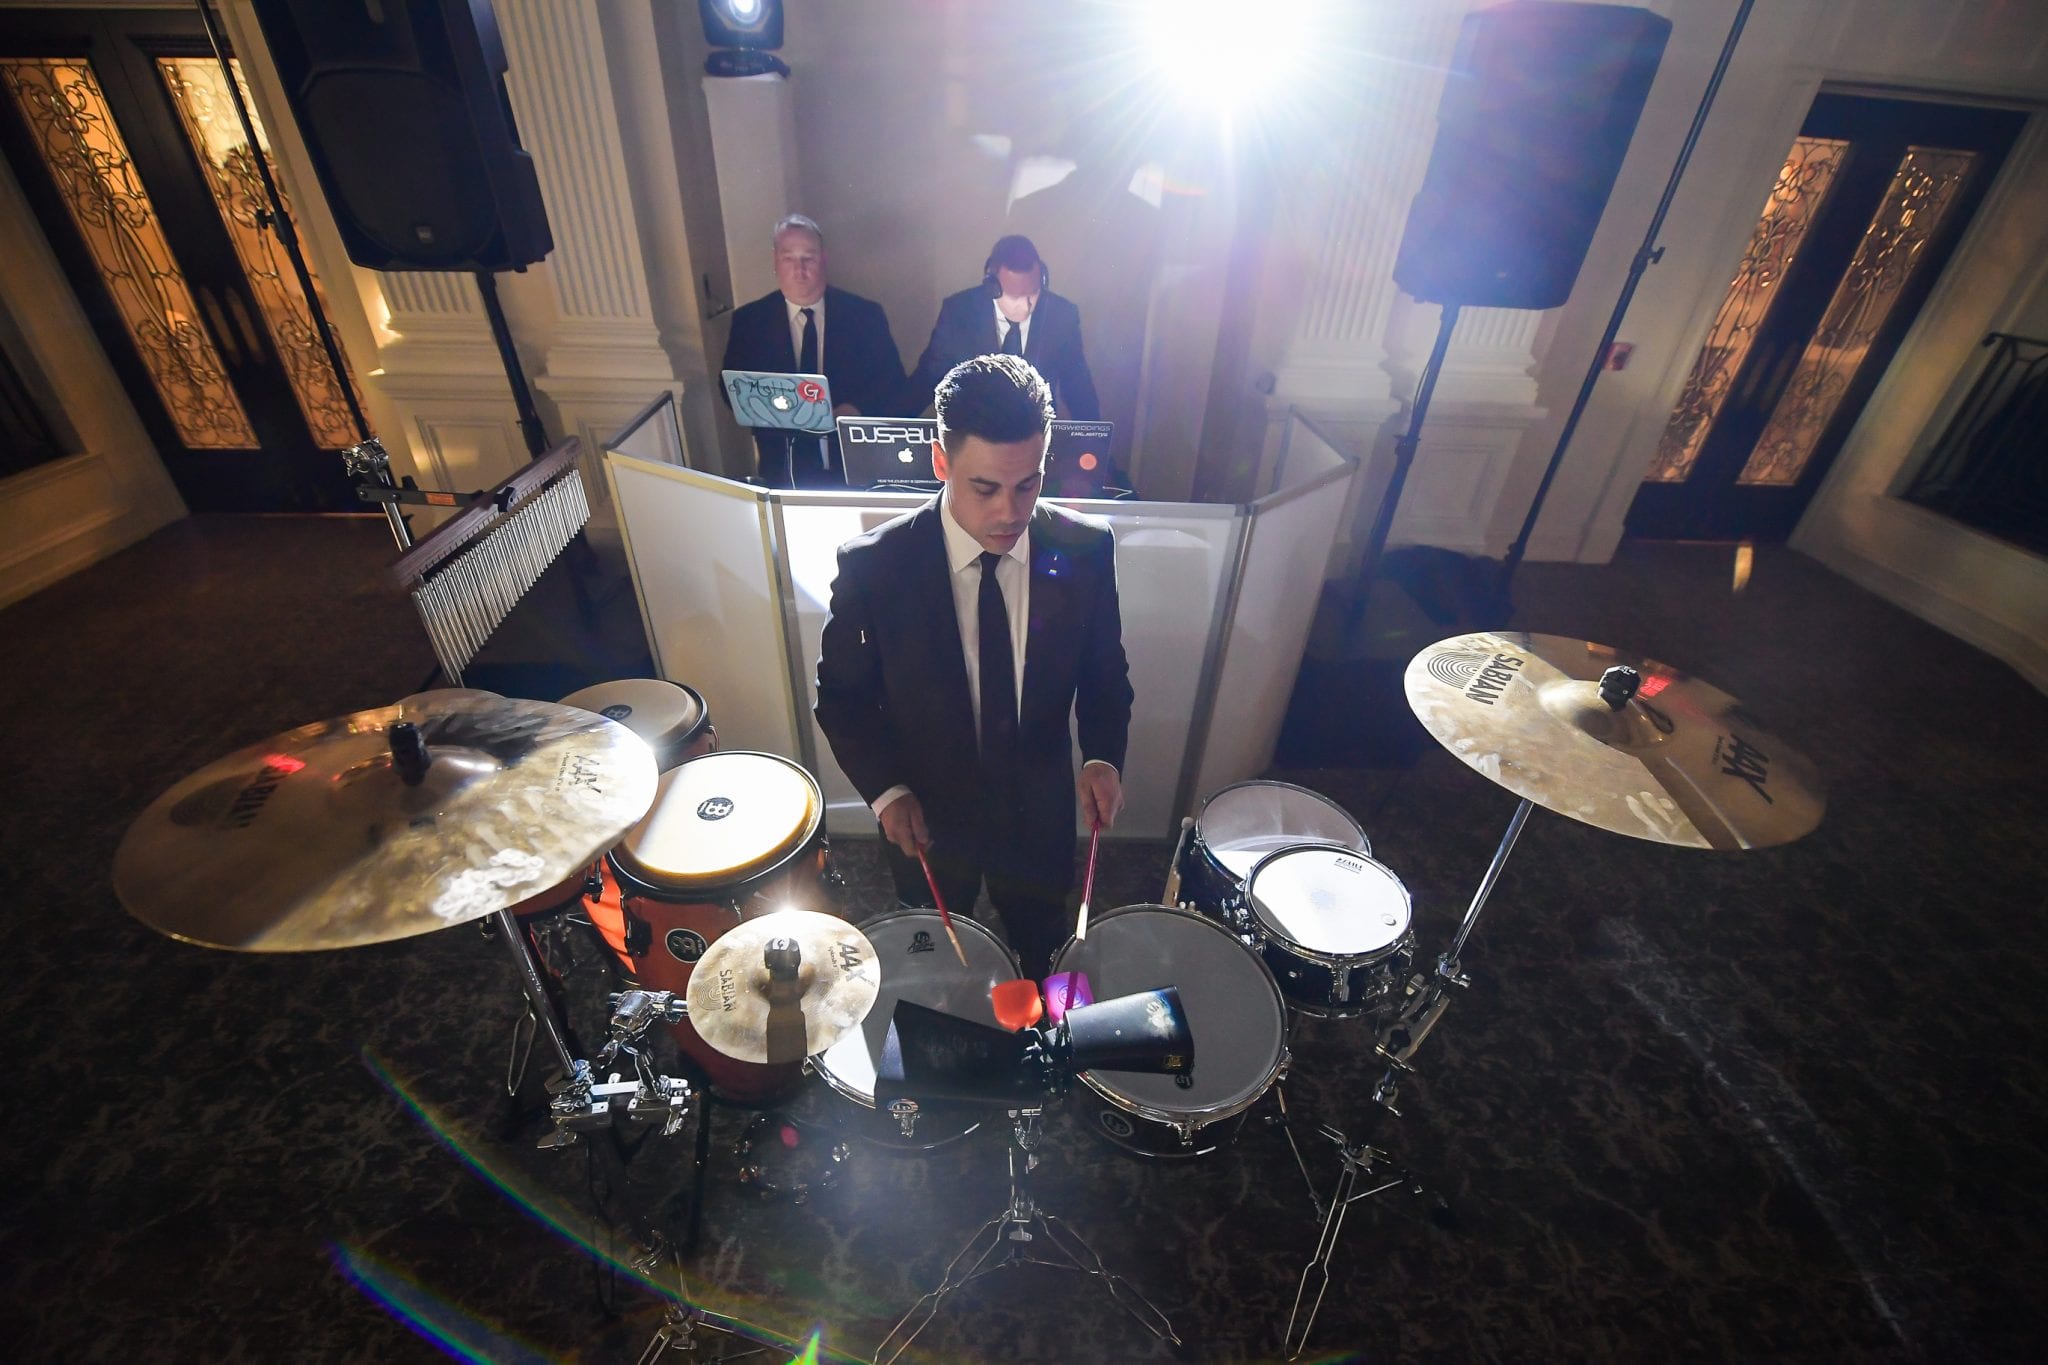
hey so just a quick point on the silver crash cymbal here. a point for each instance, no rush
(314, 839)
(738, 1006)
(1670, 758)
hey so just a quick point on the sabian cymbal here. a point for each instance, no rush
(1676, 760)
(738, 1007)
(313, 839)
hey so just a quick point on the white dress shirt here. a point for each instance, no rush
(1003, 326)
(1013, 579)
(796, 329)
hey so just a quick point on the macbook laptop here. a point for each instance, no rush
(1078, 465)
(876, 450)
(786, 402)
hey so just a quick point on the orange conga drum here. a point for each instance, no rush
(731, 836)
(676, 723)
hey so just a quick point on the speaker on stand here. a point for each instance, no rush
(403, 107)
(1538, 109)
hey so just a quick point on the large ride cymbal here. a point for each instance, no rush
(737, 1005)
(1678, 761)
(314, 839)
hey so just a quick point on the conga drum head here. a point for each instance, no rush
(669, 716)
(719, 821)
(1334, 902)
(1246, 821)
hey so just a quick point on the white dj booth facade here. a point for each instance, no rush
(735, 583)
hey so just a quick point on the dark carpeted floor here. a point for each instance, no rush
(1781, 1105)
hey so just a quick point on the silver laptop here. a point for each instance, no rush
(785, 402)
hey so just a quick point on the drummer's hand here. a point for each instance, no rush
(1100, 792)
(903, 825)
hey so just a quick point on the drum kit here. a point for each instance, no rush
(612, 824)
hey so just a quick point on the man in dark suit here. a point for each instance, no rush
(1013, 310)
(962, 636)
(808, 327)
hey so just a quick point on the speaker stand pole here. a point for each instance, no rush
(366, 458)
(1647, 255)
(522, 397)
(1405, 448)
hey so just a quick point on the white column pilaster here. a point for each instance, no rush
(604, 360)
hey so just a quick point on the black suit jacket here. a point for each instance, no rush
(892, 683)
(862, 364)
(967, 328)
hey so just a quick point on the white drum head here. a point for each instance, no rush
(1331, 901)
(659, 712)
(918, 965)
(721, 819)
(1243, 823)
(1234, 1009)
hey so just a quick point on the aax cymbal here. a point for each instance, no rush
(1652, 753)
(316, 838)
(755, 1000)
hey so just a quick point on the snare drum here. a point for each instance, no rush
(918, 965)
(1334, 926)
(672, 718)
(1235, 1013)
(731, 836)
(1242, 824)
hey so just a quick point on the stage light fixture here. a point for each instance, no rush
(743, 35)
(1218, 53)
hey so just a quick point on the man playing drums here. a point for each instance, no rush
(962, 637)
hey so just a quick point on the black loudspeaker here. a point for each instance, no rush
(402, 104)
(1540, 105)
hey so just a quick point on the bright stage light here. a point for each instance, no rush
(1220, 53)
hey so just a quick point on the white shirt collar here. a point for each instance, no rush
(963, 549)
(796, 309)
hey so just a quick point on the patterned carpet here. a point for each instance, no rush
(1781, 1105)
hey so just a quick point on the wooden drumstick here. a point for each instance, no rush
(1170, 896)
(940, 901)
(1088, 882)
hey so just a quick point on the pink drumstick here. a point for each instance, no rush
(940, 901)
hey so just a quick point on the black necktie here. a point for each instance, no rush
(1013, 340)
(998, 683)
(807, 363)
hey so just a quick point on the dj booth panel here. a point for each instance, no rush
(735, 584)
(710, 592)
(1289, 536)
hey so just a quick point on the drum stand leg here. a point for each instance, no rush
(1365, 1170)
(1018, 1232)
(682, 1321)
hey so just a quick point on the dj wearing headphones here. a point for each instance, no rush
(1013, 310)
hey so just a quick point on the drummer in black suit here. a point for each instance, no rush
(963, 636)
(1012, 311)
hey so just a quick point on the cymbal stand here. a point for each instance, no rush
(1365, 1169)
(1018, 1232)
(586, 1104)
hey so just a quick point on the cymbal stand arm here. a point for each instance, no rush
(1448, 967)
(536, 994)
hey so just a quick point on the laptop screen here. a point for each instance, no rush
(1078, 464)
(887, 449)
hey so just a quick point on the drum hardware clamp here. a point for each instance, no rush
(581, 1103)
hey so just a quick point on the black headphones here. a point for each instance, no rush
(994, 286)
